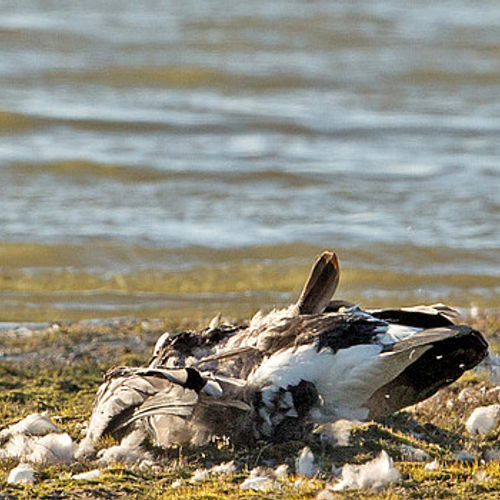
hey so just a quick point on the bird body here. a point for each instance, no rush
(315, 361)
(351, 358)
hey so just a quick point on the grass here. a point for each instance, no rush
(57, 369)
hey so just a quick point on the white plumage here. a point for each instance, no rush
(375, 474)
(129, 451)
(34, 424)
(345, 380)
(52, 449)
(88, 476)
(23, 473)
(49, 449)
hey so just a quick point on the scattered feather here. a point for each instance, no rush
(49, 449)
(34, 424)
(262, 471)
(128, 452)
(304, 464)
(52, 449)
(200, 476)
(265, 478)
(261, 483)
(88, 476)
(23, 473)
(337, 433)
(302, 482)
(375, 474)
(19, 446)
(281, 472)
(483, 419)
(224, 469)
(434, 465)
(326, 494)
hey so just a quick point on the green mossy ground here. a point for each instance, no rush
(58, 368)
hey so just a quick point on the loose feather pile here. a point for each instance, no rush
(34, 440)
(129, 452)
(35, 424)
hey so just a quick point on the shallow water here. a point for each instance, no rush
(164, 156)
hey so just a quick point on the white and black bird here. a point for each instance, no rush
(314, 362)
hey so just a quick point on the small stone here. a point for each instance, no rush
(483, 419)
(464, 456)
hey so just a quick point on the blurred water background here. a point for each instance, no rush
(162, 156)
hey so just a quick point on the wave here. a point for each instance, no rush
(15, 122)
(50, 282)
(185, 76)
(101, 255)
(431, 75)
(73, 170)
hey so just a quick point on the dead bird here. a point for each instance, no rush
(316, 361)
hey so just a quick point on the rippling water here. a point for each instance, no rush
(160, 155)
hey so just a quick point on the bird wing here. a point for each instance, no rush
(444, 354)
(419, 316)
(136, 393)
(174, 400)
(453, 334)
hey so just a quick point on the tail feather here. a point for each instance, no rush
(321, 284)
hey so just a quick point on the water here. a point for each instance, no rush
(164, 155)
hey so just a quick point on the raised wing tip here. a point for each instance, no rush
(321, 284)
(331, 257)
